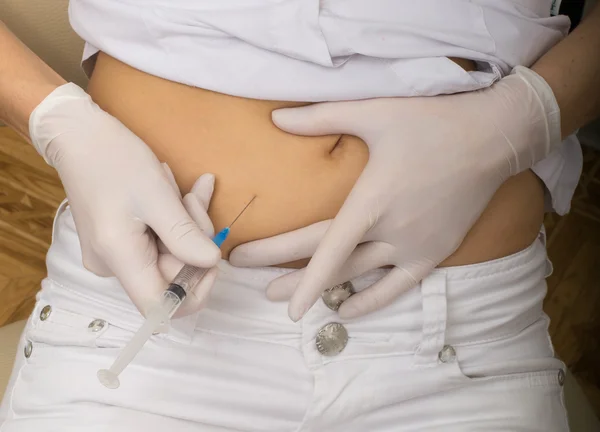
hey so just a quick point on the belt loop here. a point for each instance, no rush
(542, 235)
(543, 239)
(61, 209)
(433, 295)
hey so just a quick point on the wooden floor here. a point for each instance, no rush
(29, 194)
(573, 300)
(30, 191)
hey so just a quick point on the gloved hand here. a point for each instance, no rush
(120, 196)
(433, 166)
(196, 204)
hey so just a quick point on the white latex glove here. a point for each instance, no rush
(434, 164)
(119, 194)
(196, 203)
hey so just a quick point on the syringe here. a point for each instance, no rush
(161, 313)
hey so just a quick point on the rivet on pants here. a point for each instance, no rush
(447, 354)
(45, 312)
(28, 349)
(97, 325)
(561, 377)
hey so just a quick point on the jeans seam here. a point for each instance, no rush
(498, 338)
(497, 273)
(74, 291)
(313, 371)
(372, 356)
(11, 411)
(551, 376)
(482, 266)
(251, 339)
(564, 406)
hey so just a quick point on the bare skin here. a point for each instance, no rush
(297, 180)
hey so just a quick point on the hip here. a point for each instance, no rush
(482, 301)
(468, 348)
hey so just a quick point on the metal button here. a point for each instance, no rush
(45, 312)
(28, 349)
(97, 325)
(336, 295)
(331, 339)
(447, 354)
(561, 377)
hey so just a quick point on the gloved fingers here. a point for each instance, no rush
(303, 243)
(180, 234)
(280, 249)
(284, 287)
(383, 292)
(324, 118)
(360, 212)
(171, 178)
(134, 263)
(92, 261)
(203, 189)
(366, 257)
(196, 204)
(162, 249)
(198, 215)
(199, 295)
(197, 201)
(170, 266)
(346, 231)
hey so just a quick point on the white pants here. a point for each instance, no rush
(467, 350)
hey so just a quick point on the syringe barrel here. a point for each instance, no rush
(187, 278)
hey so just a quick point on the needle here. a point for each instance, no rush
(243, 210)
(171, 299)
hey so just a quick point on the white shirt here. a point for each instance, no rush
(326, 50)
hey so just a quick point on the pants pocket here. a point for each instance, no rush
(52, 325)
(522, 399)
(548, 377)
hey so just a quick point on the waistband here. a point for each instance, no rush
(457, 305)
